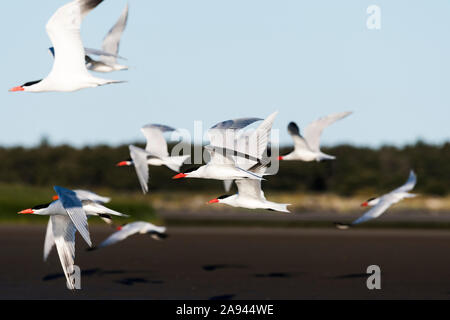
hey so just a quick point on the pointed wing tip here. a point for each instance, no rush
(275, 112)
(344, 114)
(273, 115)
(413, 175)
(160, 127)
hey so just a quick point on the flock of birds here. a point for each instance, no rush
(235, 156)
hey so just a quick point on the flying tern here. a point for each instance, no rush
(69, 72)
(231, 154)
(155, 154)
(250, 195)
(138, 227)
(67, 216)
(381, 204)
(108, 61)
(307, 147)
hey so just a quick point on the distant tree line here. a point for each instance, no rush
(355, 170)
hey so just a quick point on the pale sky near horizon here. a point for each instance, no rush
(217, 60)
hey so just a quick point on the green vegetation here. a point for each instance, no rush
(14, 198)
(356, 170)
(28, 174)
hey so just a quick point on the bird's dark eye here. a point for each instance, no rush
(370, 199)
(41, 206)
(190, 169)
(223, 196)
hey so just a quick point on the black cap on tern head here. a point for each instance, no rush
(293, 129)
(41, 206)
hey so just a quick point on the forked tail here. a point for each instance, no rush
(324, 156)
(102, 82)
(174, 163)
(282, 207)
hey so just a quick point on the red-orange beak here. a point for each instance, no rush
(122, 164)
(119, 228)
(213, 201)
(280, 158)
(179, 176)
(55, 198)
(19, 88)
(26, 211)
(364, 204)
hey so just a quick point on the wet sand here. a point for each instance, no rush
(233, 263)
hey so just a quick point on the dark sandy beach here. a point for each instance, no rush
(233, 263)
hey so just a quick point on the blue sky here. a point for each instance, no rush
(215, 60)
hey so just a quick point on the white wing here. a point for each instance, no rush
(89, 195)
(299, 141)
(64, 234)
(49, 239)
(63, 28)
(112, 40)
(223, 134)
(125, 232)
(156, 143)
(314, 130)
(219, 157)
(260, 138)
(92, 206)
(409, 185)
(74, 209)
(139, 158)
(250, 188)
(253, 145)
(375, 212)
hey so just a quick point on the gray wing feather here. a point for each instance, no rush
(117, 236)
(235, 124)
(244, 147)
(410, 183)
(74, 209)
(314, 130)
(373, 213)
(111, 41)
(260, 138)
(156, 143)
(49, 240)
(139, 158)
(64, 234)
